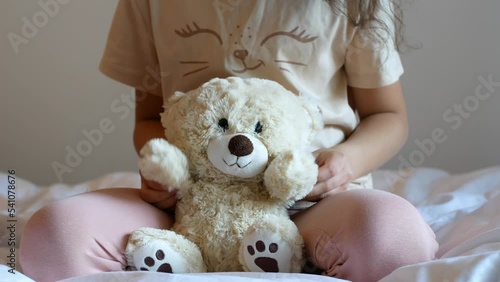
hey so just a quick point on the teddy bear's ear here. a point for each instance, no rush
(176, 97)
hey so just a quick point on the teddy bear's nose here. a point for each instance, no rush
(240, 146)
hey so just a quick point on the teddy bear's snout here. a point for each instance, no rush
(240, 146)
(240, 154)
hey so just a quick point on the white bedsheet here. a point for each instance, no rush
(463, 210)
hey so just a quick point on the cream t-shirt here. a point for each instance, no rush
(165, 46)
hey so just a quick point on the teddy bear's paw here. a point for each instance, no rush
(265, 254)
(164, 163)
(291, 175)
(159, 257)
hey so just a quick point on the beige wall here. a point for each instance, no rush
(57, 109)
(52, 93)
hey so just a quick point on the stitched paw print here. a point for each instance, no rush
(156, 263)
(265, 259)
(161, 255)
(267, 247)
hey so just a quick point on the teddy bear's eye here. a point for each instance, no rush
(258, 127)
(224, 124)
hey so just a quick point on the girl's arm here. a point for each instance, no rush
(379, 136)
(147, 118)
(148, 126)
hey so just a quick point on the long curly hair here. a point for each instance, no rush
(370, 16)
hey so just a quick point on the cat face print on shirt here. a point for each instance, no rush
(245, 49)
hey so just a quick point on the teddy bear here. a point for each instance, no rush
(237, 153)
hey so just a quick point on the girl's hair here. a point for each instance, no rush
(370, 16)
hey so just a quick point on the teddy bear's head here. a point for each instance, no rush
(237, 126)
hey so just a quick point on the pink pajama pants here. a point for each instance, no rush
(358, 235)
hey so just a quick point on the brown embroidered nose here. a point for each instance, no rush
(240, 54)
(240, 146)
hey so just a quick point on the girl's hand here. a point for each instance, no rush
(157, 194)
(334, 174)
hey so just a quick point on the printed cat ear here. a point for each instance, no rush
(314, 112)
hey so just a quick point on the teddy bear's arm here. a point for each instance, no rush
(291, 176)
(164, 163)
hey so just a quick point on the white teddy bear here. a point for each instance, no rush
(237, 153)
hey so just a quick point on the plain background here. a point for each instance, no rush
(52, 91)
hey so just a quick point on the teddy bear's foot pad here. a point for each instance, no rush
(267, 264)
(151, 262)
(266, 253)
(159, 257)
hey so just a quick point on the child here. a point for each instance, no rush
(338, 53)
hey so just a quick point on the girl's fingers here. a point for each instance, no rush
(167, 203)
(157, 194)
(160, 199)
(157, 186)
(153, 185)
(315, 197)
(150, 195)
(333, 185)
(334, 191)
(316, 193)
(331, 166)
(324, 173)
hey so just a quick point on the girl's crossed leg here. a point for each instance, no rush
(85, 234)
(364, 234)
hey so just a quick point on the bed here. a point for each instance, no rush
(462, 209)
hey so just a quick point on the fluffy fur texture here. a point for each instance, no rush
(234, 218)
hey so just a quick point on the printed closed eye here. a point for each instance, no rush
(187, 32)
(300, 37)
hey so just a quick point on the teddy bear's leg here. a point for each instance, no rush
(151, 249)
(272, 244)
